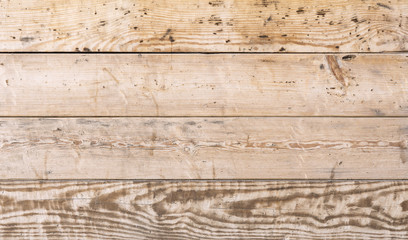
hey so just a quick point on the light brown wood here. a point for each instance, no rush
(307, 139)
(204, 25)
(203, 85)
(203, 148)
(204, 210)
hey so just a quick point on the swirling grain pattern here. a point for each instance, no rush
(204, 210)
(193, 146)
(204, 25)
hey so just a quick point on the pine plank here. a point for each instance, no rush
(204, 26)
(203, 148)
(203, 85)
(204, 210)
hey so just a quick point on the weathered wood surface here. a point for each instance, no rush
(204, 25)
(203, 85)
(204, 210)
(203, 148)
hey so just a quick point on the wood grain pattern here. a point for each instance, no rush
(203, 148)
(204, 210)
(203, 85)
(204, 25)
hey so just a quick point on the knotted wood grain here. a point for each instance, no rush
(203, 85)
(203, 148)
(204, 210)
(204, 26)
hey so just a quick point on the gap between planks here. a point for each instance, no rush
(231, 180)
(213, 53)
(203, 116)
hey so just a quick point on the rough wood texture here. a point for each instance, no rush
(204, 25)
(204, 85)
(204, 148)
(204, 210)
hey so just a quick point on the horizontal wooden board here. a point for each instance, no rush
(203, 85)
(204, 25)
(203, 148)
(204, 210)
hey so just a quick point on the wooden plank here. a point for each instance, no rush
(204, 210)
(203, 85)
(204, 25)
(203, 148)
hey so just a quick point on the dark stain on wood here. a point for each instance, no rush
(322, 12)
(348, 57)
(168, 31)
(354, 19)
(27, 39)
(300, 10)
(384, 6)
(404, 205)
(216, 3)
